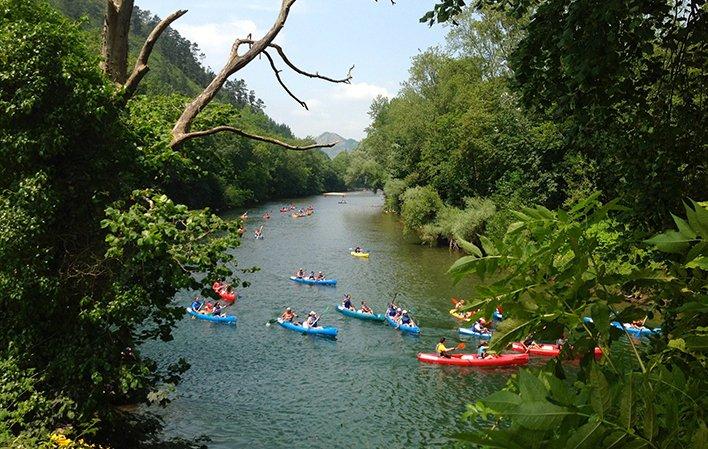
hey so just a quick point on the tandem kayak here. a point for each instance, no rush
(637, 332)
(402, 327)
(545, 349)
(359, 314)
(324, 331)
(474, 333)
(223, 294)
(464, 316)
(314, 281)
(474, 360)
(225, 319)
(356, 254)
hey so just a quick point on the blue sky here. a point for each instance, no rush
(327, 36)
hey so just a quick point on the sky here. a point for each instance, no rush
(325, 36)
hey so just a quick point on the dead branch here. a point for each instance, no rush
(240, 132)
(182, 129)
(280, 80)
(141, 64)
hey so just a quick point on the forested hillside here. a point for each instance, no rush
(242, 171)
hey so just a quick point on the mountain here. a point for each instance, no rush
(343, 145)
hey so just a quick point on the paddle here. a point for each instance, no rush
(460, 345)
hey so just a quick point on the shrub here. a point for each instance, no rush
(420, 206)
(393, 189)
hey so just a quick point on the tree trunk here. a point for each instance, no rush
(114, 48)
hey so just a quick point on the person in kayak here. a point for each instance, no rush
(480, 326)
(358, 249)
(391, 310)
(312, 275)
(217, 310)
(311, 320)
(208, 308)
(482, 350)
(365, 308)
(398, 314)
(442, 350)
(320, 276)
(347, 302)
(300, 273)
(288, 315)
(197, 304)
(405, 319)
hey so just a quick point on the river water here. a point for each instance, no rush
(257, 386)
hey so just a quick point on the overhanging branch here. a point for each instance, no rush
(141, 64)
(240, 132)
(280, 80)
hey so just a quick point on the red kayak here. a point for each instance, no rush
(220, 290)
(545, 349)
(474, 360)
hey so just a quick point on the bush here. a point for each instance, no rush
(420, 206)
(393, 189)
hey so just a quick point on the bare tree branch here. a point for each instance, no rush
(141, 64)
(181, 132)
(240, 132)
(280, 80)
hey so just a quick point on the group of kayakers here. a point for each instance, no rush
(309, 210)
(399, 315)
(207, 307)
(300, 274)
(444, 351)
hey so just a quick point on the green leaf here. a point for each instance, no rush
(670, 242)
(600, 398)
(539, 415)
(586, 436)
(627, 398)
(699, 262)
(700, 438)
(531, 388)
(684, 228)
(502, 401)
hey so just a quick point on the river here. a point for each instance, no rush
(257, 386)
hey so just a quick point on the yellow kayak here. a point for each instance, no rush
(462, 316)
(355, 254)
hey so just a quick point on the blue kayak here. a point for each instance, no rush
(225, 319)
(359, 314)
(402, 327)
(637, 332)
(474, 333)
(324, 331)
(314, 281)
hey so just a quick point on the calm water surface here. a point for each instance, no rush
(255, 386)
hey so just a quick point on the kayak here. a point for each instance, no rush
(226, 319)
(461, 316)
(324, 331)
(223, 294)
(474, 360)
(356, 254)
(314, 281)
(359, 314)
(402, 327)
(472, 332)
(545, 349)
(637, 332)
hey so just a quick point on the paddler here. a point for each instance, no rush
(347, 302)
(405, 319)
(482, 350)
(442, 350)
(365, 308)
(288, 315)
(311, 320)
(480, 326)
(300, 273)
(197, 304)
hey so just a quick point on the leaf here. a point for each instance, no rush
(684, 228)
(627, 398)
(670, 242)
(586, 436)
(531, 388)
(502, 401)
(601, 398)
(539, 415)
(700, 438)
(488, 246)
(699, 262)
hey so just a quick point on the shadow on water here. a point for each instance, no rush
(254, 386)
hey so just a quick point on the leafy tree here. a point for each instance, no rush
(549, 272)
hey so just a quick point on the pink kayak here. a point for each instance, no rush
(545, 349)
(474, 360)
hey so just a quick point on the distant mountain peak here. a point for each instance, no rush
(342, 145)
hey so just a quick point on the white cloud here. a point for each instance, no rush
(360, 92)
(215, 39)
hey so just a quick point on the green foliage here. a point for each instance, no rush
(420, 205)
(552, 269)
(393, 190)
